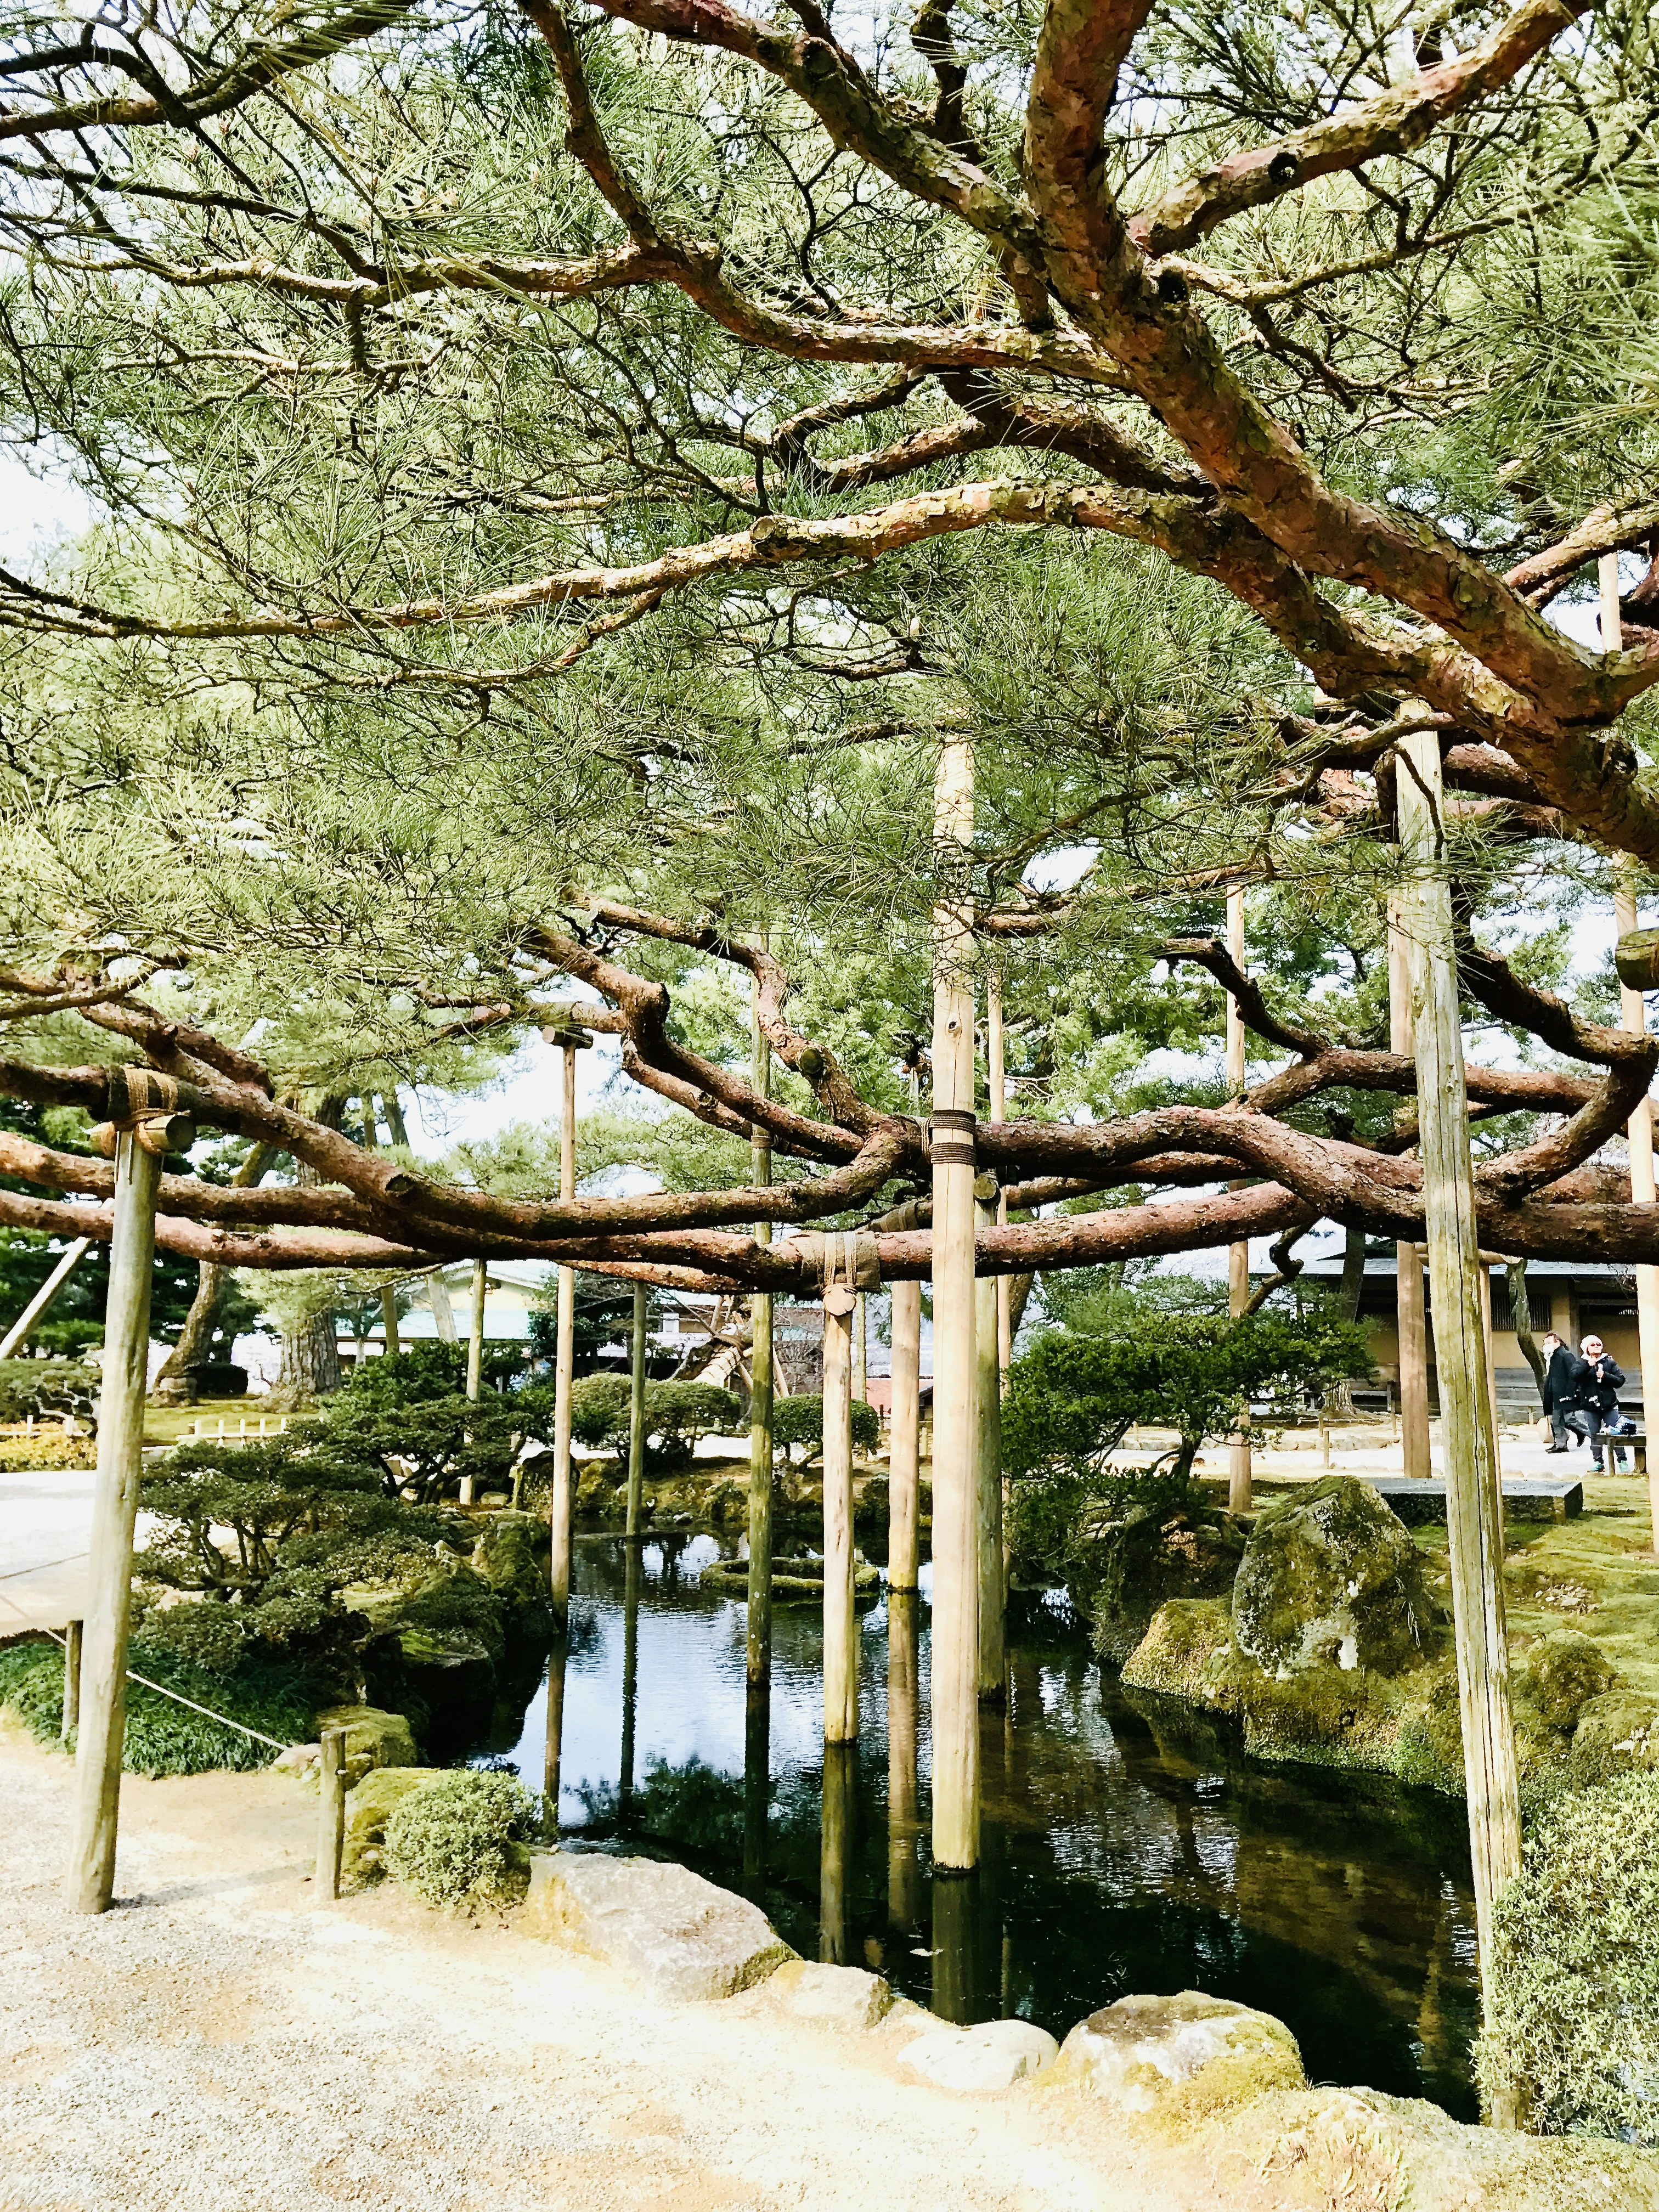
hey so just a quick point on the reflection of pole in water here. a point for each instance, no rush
(555, 1661)
(757, 1786)
(840, 1780)
(956, 1928)
(903, 1810)
(630, 1680)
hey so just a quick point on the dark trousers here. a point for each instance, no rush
(1586, 1421)
(1559, 1436)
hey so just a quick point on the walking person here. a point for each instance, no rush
(1562, 1368)
(1597, 1408)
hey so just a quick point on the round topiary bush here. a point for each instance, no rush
(1573, 2031)
(799, 1419)
(450, 1843)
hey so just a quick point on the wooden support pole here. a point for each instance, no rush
(637, 1417)
(331, 1812)
(114, 1509)
(1473, 1520)
(987, 1455)
(553, 1740)
(632, 1564)
(841, 1641)
(560, 1503)
(996, 1088)
(757, 1627)
(389, 1320)
(1484, 1280)
(905, 1440)
(757, 1786)
(1633, 1015)
(861, 1350)
(1409, 1311)
(955, 1648)
(71, 1719)
(475, 1334)
(1238, 1255)
(43, 1297)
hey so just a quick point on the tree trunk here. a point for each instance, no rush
(1515, 1273)
(1238, 1255)
(1354, 1275)
(758, 1629)
(311, 1365)
(202, 1321)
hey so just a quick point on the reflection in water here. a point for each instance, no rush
(956, 1934)
(1121, 1853)
(633, 1575)
(756, 1784)
(904, 1796)
(553, 1723)
(840, 1772)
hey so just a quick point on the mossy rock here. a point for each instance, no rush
(1331, 1577)
(1561, 1674)
(1186, 1653)
(374, 1738)
(1617, 1730)
(367, 1809)
(511, 1555)
(1149, 1560)
(1357, 1719)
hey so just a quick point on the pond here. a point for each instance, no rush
(1121, 1853)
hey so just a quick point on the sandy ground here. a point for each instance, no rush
(217, 2042)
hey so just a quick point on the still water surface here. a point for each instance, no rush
(1120, 1855)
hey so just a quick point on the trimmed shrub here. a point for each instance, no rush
(800, 1420)
(406, 1378)
(450, 1843)
(1574, 2025)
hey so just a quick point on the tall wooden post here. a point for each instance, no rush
(330, 1811)
(1474, 1522)
(758, 1634)
(141, 1143)
(840, 1648)
(475, 1334)
(1485, 1287)
(905, 1439)
(987, 1455)
(1238, 1255)
(757, 1786)
(862, 1349)
(564, 1360)
(553, 1747)
(955, 1545)
(632, 1563)
(1633, 1015)
(1409, 1313)
(996, 1087)
(637, 1417)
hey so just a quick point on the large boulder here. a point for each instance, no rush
(1171, 1555)
(830, 1996)
(681, 1935)
(1150, 2054)
(1332, 1578)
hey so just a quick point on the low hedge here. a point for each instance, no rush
(161, 1736)
(450, 1842)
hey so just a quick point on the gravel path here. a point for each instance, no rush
(216, 2044)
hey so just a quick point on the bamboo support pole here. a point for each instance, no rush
(1633, 1015)
(637, 1418)
(1410, 1315)
(757, 1627)
(955, 1648)
(45, 1296)
(841, 1644)
(987, 1457)
(560, 1503)
(996, 1072)
(331, 1812)
(1238, 1255)
(1474, 1522)
(905, 1440)
(903, 1822)
(71, 1717)
(115, 1507)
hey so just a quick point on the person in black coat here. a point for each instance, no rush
(1597, 1409)
(1563, 1371)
